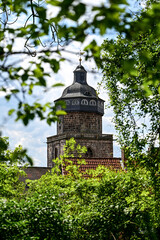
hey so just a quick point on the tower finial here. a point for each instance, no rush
(80, 59)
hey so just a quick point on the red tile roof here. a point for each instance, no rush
(93, 163)
(34, 173)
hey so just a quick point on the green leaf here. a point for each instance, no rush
(8, 97)
(11, 111)
(60, 112)
(58, 85)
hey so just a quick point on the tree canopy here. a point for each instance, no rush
(10, 172)
(117, 206)
(131, 76)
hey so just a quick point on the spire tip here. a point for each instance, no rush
(80, 59)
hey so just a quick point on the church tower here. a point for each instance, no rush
(83, 121)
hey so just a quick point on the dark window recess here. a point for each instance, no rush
(82, 77)
(78, 77)
(89, 153)
(55, 153)
(87, 93)
(99, 124)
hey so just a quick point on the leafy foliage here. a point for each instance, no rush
(125, 71)
(10, 172)
(16, 156)
(120, 205)
(65, 162)
(131, 77)
(10, 186)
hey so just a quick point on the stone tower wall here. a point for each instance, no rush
(80, 122)
(101, 147)
(83, 121)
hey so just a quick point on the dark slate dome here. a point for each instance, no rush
(80, 96)
(79, 90)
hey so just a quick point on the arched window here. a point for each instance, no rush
(67, 102)
(55, 153)
(102, 104)
(92, 103)
(75, 102)
(84, 102)
(89, 153)
(99, 104)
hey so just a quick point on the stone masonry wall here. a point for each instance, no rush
(54, 150)
(100, 148)
(34, 173)
(80, 122)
